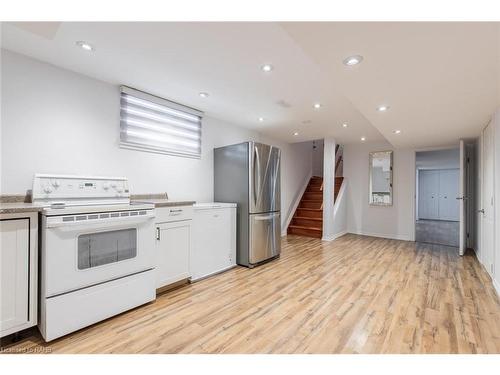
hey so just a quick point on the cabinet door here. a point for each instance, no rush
(14, 276)
(173, 242)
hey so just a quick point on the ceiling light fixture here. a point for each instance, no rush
(204, 94)
(344, 125)
(317, 105)
(382, 108)
(353, 60)
(267, 68)
(295, 134)
(261, 119)
(397, 131)
(363, 139)
(84, 45)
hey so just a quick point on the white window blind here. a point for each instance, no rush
(153, 124)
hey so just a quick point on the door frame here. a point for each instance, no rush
(415, 186)
(483, 259)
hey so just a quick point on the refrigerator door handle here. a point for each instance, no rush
(256, 175)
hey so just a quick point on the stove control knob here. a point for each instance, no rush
(56, 183)
(48, 189)
(119, 189)
(105, 185)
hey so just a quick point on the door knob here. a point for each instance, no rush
(481, 210)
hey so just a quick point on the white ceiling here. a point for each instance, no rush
(441, 80)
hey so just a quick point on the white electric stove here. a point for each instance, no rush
(97, 251)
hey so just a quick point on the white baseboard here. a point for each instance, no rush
(496, 286)
(334, 236)
(383, 235)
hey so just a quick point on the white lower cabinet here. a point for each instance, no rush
(18, 272)
(173, 244)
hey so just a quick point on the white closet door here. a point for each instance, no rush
(487, 203)
(449, 206)
(428, 203)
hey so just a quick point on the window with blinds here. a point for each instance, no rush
(153, 124)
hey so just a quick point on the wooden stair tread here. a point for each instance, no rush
(306, 228)
(308, 218)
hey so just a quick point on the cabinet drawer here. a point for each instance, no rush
(169, 214)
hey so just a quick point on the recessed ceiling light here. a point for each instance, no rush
(397, 131)
(353, 60)
(295, 134)
(261, 119)
(317, 105)
(84, 45)
(363, 139)
(382, 108)
(267, 68)
(344, 125)
(204, 94)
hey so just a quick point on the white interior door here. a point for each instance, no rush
(462, 197)
(487, 208)
(428, 191)
(449, 206)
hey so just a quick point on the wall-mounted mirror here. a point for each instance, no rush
(381, 178)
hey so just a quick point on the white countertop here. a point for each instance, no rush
(212, 205)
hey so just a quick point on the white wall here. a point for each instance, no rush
(58, 121)
(295, 170)
(317, 158)
(328, 189)
(340, 212)
(396, 221)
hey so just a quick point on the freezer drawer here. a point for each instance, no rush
(265, 237)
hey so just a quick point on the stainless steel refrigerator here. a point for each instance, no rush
(249, 174)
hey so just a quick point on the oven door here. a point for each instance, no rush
(81, 254)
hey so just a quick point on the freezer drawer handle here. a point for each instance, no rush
(269, 217)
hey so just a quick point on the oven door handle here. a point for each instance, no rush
(102, 223)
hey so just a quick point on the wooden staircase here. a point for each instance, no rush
(308, 218)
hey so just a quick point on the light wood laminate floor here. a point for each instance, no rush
(353, 295)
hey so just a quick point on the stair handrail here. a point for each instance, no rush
(339, 161)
